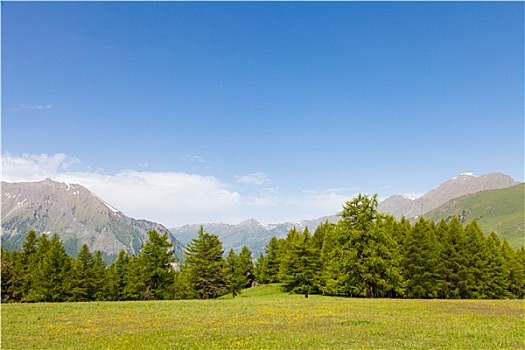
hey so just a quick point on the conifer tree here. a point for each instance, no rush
(233, 273)
(204, 265)
(135, 285)
(495, 276)
(422, 263)
(51, 274)
(82, 286)
(476, 255)
(245, 261)
(11, 277)
(155, 260)
(453, 256)
(100, 277)
(269, 272)
(300, 265)
(116, 277)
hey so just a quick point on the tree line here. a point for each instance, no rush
(365, 254)
(368, 254)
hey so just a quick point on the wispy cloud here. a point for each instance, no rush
(170, 198)
(177, 198)
(258, 178)
(30, 167)
(194, 158)
(21, 107)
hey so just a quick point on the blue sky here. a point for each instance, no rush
(198, 112)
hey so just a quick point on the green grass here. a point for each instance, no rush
(264, 318)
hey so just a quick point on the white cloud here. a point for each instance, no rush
(170, 198)
(21, 107)
(258, 178)
(194, 158)
(268, 197)
(313, 204)
(28, 167)
(176, 198)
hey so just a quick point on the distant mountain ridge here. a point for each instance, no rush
(79, 216)
(466, 183)
(256, 235)
(76, 214)
(250, 233)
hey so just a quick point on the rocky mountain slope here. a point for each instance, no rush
(458, 186)
(76, 214)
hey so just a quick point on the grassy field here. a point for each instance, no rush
(263, 318)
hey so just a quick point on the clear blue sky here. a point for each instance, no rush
(282, 109)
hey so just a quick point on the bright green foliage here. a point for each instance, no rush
(233, 273)
(453, 257)
(50, 272)
(495, 278)
(422, 263)
(135, 285)
(514, 269)
(360, 256)
(367, 254)
(116, 277)
(270, 264)
(476, 253)
(204, 265)
(300, 266)
(247, 269)
(83, 279)
(360, 212)
(155, 269)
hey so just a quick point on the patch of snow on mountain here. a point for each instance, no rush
(468, 174)
(110, 207)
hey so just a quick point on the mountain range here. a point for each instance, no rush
(458, 186)
(76, 214)
(79, 216)
(256, 235)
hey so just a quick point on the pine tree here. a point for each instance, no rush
(246, 266)
(233, 273)
(82, 280)
(12, 280)
(514, 268)
(338, 260)
(496, 282)
(135, 285)
(271, 263)
(51, 275)
(155, 260)
(116, 278)
(100, 276)
(422, 263)
(204, 265)
(476, 255)
(300, 265)
(453, 256)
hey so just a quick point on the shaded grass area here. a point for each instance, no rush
(264, 318)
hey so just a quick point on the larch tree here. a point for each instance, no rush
(204, 265)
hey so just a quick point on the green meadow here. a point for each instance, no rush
(265, 318)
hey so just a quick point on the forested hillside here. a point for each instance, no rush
(365, 254)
